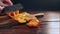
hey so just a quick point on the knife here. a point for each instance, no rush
(11, 8)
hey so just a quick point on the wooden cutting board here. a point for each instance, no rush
(18, 29)
(23, 29)
(6, 21)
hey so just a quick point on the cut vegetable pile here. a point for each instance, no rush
(24, 18)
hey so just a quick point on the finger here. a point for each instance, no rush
(2, 4)
(8, 2)
(1, 7)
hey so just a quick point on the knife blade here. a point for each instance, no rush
(11, 8)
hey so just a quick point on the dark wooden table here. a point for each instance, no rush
(44, 28)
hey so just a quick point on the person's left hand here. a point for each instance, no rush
(5, 3)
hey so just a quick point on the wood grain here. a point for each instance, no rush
(23, 29)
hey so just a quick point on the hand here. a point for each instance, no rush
(5, 3)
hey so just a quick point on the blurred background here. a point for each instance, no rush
(39, 4)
